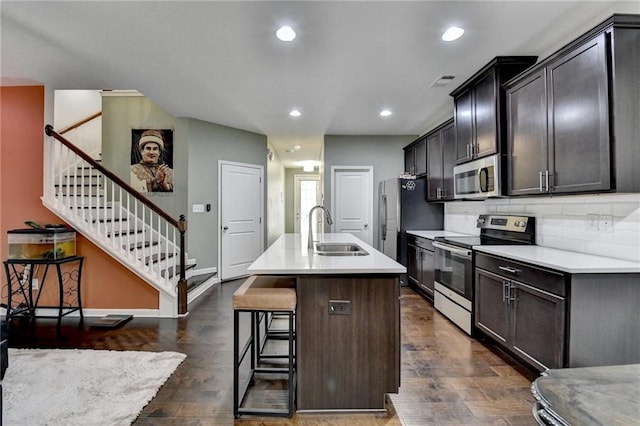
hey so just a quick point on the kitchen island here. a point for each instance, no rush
(347, 322)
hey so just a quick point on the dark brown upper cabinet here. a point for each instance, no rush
(572, 120)
(415, 157)
(441, 151)
(479, 108)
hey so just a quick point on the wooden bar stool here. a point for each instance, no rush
(263, 297)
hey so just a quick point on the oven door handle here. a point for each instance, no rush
(459, 251)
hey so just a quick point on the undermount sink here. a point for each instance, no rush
(339, 249)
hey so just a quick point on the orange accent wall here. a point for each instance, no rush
(106, 284)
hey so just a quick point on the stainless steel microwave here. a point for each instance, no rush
(477, 179)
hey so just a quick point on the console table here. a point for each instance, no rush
(20, 275)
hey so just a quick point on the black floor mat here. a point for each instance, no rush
(111, 321)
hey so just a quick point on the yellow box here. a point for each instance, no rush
(48, 243)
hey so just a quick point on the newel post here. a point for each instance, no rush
(182, 283)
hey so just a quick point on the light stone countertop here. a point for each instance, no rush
(289, 255)
(430, 235)
(563, 260)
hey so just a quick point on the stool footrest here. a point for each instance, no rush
(264, 412)
(271, 370)
(274, 356)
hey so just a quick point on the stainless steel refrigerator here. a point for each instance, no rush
(402, 206)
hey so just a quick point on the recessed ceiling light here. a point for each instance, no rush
(285, 33)
(308, 165)
(295, 113)
(385, 113)
(296, 147)
(452, 33)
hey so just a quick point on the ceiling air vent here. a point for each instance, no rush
(443, 81)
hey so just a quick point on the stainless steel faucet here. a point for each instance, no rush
(327, 216)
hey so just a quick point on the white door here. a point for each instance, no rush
(306, 195)
(240, 202)
(352, 200)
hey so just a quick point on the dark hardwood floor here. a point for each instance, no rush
(447, 377)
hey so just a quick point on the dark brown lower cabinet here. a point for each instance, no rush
(538, 324)
(553, 319)
(420, 265)
(528, 321)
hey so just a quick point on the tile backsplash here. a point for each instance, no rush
(601, 224)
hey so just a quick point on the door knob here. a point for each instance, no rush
(366, 225)
(224, 228)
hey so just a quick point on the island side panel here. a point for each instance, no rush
(347, 361)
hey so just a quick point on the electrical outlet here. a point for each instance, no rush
(592, 222)
(606, 223)
(339, 307)
(34, 284)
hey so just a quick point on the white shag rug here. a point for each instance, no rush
(82, 386)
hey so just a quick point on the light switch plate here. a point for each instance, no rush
(198, 208)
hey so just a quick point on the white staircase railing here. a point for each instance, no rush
(120, 220)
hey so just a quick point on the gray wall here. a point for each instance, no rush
(208, 143)
(120, 114)
(198, 145)
(384, 153)
(275, 197)
(289, 197)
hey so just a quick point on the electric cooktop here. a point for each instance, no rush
(497, 230)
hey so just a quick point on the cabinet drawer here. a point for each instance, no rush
(423, 243)
(543, 279)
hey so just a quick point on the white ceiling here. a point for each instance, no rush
(220, 61)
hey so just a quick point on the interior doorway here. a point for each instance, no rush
(240, 204)
(307, 194)
(352, 200)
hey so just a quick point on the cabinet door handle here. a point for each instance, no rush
(513, 271)
(384, 218)
(546, 175)
(468, 151)
(512, 294)
(540, 175)
(505, 291)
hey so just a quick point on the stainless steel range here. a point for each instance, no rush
(454, 263)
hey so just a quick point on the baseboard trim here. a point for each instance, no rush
(199, 290)
(203, 271)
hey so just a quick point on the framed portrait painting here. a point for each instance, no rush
(152, 160)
